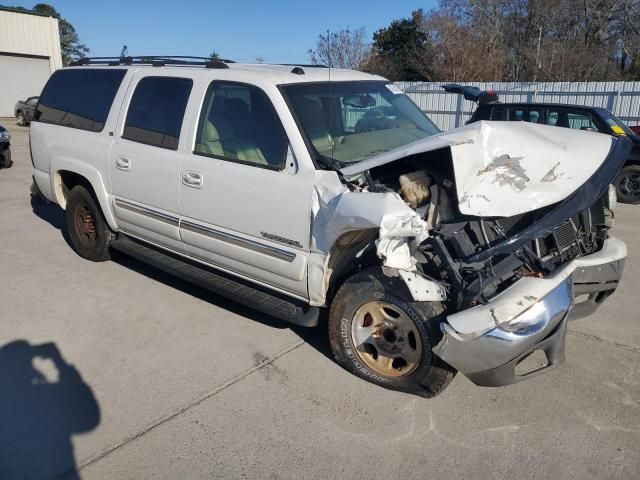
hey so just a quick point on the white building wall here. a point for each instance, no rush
(28, 34)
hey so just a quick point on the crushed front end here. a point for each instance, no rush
(510, 277)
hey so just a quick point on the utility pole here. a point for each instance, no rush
(535, 75)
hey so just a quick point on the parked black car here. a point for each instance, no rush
(5, 151)
(593, 119)
(24, 110)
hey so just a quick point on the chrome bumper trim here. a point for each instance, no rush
(488, 354)
(499, 346)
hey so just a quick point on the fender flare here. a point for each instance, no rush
(92, 175)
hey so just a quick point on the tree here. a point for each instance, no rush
(403, 50)
(524, 40)
(70, 44)
(214, 57)
(343, 49)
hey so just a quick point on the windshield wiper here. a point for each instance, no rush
(329, 162)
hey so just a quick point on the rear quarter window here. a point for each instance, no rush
(79, 98)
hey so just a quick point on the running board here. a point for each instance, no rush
(209, 278)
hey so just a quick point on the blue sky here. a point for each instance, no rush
(279, 31)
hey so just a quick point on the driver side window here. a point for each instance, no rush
(238, 123)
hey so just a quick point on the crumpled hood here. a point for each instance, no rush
(507, 168)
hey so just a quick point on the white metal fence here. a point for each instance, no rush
(449, 110)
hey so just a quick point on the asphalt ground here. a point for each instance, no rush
(145, 376)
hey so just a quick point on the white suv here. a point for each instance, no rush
(296, 189)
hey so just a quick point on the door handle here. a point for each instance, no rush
(192, 179)
(123, 163)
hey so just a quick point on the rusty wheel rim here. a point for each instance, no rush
(386, 339)
(85, 224)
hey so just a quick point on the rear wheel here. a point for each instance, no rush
(627, 184)
(384, 338)
(90, 235)
(21, 119)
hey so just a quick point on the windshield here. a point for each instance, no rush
(617, 126)
(352, 121)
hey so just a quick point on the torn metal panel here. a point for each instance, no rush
(337, 211)
(421, 288)
(504, 169)
(394, 246)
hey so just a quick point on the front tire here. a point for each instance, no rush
(627, 184)
(90, 235)
(386, 339)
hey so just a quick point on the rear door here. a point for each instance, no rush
(245, 202)
(145, 159)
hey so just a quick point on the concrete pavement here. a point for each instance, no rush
(190, 385)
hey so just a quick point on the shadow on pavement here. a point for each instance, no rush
(43, 401)
(52, 214)
(317, 337)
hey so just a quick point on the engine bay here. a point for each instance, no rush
(426, 183)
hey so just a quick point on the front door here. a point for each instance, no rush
(245, 204)
(145, 159)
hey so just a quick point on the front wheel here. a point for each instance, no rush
(380, 337)
(627, 184)
(90, 235)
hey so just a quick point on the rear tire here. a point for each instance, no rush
(627, 184)
(90, 235)
(380, 335)
(22, 120)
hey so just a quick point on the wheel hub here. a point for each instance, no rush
(85, 224)
(386, 339)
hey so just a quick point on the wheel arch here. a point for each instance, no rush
(68, 174)
(340, 264)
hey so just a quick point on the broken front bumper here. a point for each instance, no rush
(487, 342)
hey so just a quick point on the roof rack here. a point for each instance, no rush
(302, 65)
(154, 60)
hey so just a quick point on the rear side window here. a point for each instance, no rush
(531, 115)
(79, 98)
(571, 119)
(156, 111)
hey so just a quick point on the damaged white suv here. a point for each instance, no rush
(296, 189)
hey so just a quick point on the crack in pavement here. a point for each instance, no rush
(197, 401)
(186, 407)
(595, 338)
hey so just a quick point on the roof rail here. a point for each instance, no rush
(303, 65)
(154, 60)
